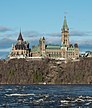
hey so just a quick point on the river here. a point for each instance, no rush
(45, 96)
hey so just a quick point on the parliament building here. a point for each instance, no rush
(64, 51)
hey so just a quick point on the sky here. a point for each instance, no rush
(37, 18)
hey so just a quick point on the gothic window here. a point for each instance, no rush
(65, 35)
(17, 53)
(22, 53)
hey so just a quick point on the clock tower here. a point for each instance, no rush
(65, 34)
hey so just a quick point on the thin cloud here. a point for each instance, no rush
(80, 33)
(32, 34)
(86, 42)
(5, 49)
(37, 34)
(4, 29)
(51, 40)
(6, 43)
(53, 34)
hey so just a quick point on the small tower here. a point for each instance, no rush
(76, 48)
(65, 34)
(42, 45)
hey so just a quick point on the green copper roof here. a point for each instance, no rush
(65, 26)
(35, 49)
(53, 47)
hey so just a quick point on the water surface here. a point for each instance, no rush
(45, 96)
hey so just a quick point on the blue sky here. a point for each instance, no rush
(45, 17)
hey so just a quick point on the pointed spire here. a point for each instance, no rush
(43, 38)
(65, 26)
(20, 36)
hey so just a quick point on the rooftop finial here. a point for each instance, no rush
(20, 29)
(64, 17)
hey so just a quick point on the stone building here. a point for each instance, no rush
(64, 51)
(20, 49)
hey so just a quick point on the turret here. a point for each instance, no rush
(76, 50)
(42, 45)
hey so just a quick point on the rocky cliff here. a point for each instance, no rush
(49, 71)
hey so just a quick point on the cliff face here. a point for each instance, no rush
(40, 71)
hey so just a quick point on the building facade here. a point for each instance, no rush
(64, 51)
(20, 49)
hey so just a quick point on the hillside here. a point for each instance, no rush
(39, 71)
